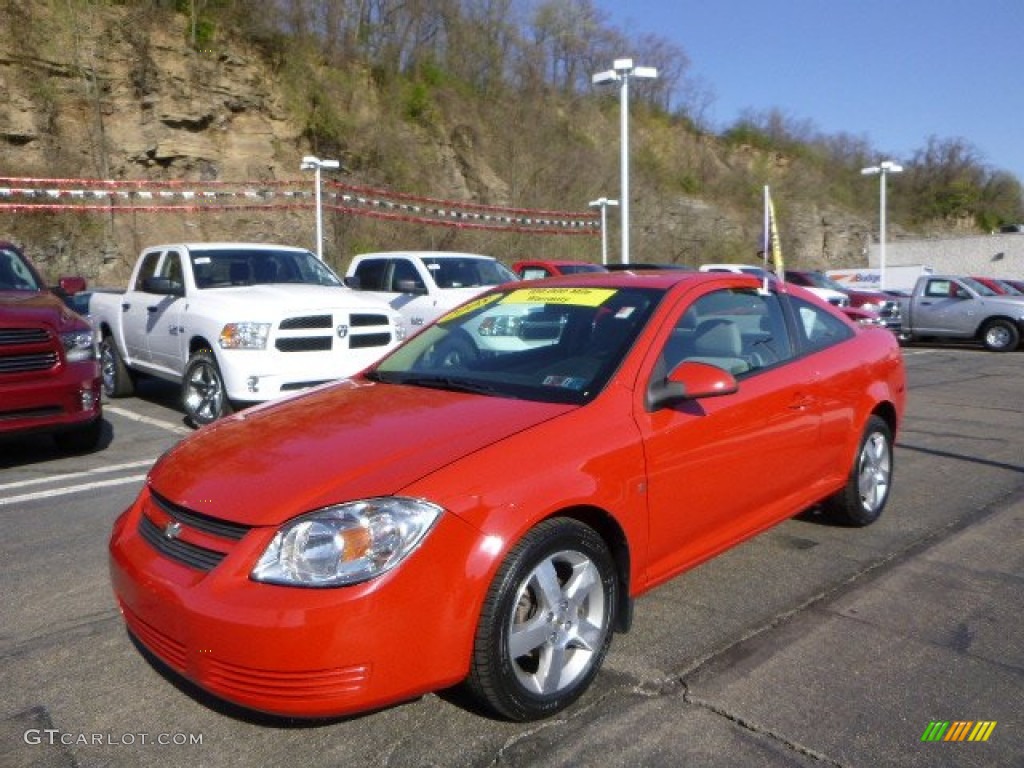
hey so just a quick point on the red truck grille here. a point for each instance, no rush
(27, 350)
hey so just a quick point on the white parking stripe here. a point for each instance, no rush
(177, 429)
(71, 489)
(75, 475)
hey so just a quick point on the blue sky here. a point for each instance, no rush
(894, 72)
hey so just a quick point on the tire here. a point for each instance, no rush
(1000, 336)
(117, 380)
(866, 492)
(202, 390)
(546, 622)
(81, 440)
(455, 351)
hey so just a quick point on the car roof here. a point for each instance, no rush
(430, 254)
(662, 279)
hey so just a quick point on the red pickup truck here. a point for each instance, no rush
(49, 368)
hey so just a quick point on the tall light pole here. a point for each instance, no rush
(881, 170)
(623, 71)
(311, 163)
(603, 203)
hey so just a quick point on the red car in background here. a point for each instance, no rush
(49, 369)
(1002, 287)
(488, 518)
(538, 269)
(885, 307)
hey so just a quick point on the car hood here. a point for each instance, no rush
(351, 440)
(38, 308)
(268, 302)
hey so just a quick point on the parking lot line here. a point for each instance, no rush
(71, 489)
(177, 429)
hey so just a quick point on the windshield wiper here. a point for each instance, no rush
(449, 383)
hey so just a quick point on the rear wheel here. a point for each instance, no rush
(202, 390)
(866, 492)
(1000, 336)
(546, 622)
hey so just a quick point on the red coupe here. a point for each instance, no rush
(457, 514)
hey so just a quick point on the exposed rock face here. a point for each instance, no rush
(109, 91)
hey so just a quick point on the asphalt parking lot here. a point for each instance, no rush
(810, 645)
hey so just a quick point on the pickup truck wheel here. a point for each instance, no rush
(202, 390)
(1000, 336)
(117, 380)
(546, 622)
(863, 498)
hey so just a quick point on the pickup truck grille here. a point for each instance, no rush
(27, 350)
(360, 330)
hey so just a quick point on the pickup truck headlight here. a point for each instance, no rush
(78, 346)
(500, 325)
(244, 336)
(346, 544)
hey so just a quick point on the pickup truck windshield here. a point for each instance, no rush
(455, 272)
(223, 268)
(15, 274)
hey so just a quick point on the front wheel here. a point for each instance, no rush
(116, 379)
(202, 390)
(863, 498)
(546, 622)
(1000, 336)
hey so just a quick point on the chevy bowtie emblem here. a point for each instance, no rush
(172, 530)
(342, 331)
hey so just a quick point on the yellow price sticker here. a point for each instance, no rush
(580, 297)
(471, 306)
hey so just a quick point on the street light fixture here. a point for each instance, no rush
(623, 71)
(312, 163)
(881, 170)
(603, 203)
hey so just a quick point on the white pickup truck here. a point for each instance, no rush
(236, 323)
(423, 285)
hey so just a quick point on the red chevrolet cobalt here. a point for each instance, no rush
(484, 504)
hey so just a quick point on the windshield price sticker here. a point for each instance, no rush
(472, 306)
(580, 297)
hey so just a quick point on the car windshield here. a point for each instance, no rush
(552, 344)
(459, 272)
(225, 267)
(15, 274)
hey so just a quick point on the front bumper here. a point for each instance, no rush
(63, 400)
(298, 651)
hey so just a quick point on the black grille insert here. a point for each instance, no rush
(11, 336)
(305, 323)
(201, 522)
(304, 344)
(361, 321)
(189, 554)
(362, 341)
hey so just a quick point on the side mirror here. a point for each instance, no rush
(69, 286)
(353, 282)
(410, 286)
(690, 381)
(163, 286)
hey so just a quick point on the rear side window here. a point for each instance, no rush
(817, 328)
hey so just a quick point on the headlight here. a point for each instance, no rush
(500, 325)
(244, 336)
(347, 543)
(78, 346)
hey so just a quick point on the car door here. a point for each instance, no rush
(943, 309)
(722, 467)
(136, 319)
(165, 328)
